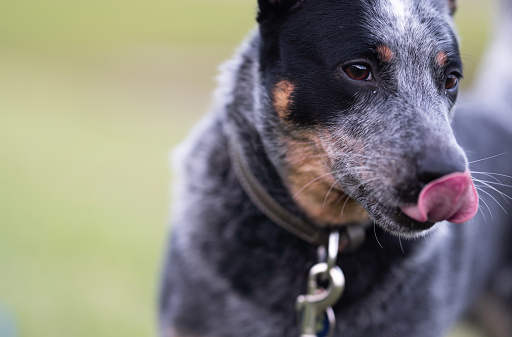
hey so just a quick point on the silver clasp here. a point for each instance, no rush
(315, 312)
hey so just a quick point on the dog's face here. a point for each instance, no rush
(360, 95)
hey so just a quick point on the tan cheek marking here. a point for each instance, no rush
(322, 199)
(282, 98)
(441, 58)
(385, 54)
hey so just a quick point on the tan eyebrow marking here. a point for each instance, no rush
(282, 98)
(441, 58)
(385, 53)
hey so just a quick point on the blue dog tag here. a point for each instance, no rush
(323, 326)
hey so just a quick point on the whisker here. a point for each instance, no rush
(312, 181)
(340, 199)
(502, 194)
(481, 210)
(480, 189)
(493, 174)
(369, 180)
(327, 194)
(375, 233)
(493, 182)
(486, 174)
(486, 205)
(343, 207)
(479, 160)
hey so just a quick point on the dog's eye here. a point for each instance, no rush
(451, 82)
(358, 72)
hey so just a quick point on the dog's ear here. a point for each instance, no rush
(452, 4)
(276, 9)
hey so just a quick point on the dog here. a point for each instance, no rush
(339, 117)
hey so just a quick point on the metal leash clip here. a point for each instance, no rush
(314, 309)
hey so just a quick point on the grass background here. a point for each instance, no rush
(93, 95)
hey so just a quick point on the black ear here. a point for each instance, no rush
(272, 9)
(452, 4)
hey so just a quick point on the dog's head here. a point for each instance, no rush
(358, 99)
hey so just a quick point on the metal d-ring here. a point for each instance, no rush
(333, 249)
(329, 254)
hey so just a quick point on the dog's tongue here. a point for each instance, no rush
(452, 197)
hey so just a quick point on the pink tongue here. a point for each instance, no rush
(452, 197)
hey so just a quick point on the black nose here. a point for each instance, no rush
(434, 164)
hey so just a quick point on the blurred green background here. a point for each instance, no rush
(93, 95)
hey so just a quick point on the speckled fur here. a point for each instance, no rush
(230, 271)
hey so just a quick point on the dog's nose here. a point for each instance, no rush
(434, 164)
